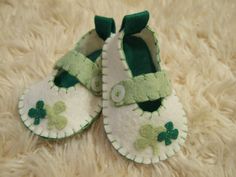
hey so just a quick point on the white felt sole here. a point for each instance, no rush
(122, 124)
(82, 107)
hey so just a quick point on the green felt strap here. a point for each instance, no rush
(86, 71)
(104, 26)
(147, 87)
(134, 23)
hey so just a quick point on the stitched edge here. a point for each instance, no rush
(85, 36)
(126, 69)
(85, 125)
(147, 97)
(114, 142)
(98, 93)
(54, 87)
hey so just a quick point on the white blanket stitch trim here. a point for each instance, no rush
(28, 123)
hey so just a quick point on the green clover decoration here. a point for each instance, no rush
(37, 113)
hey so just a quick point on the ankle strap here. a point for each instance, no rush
(147, 87)
(86, 71)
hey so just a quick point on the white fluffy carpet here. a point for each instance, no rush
(198, 45)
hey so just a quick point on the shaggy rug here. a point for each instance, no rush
(198, 47)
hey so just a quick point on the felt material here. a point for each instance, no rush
(148, 135)
(37, 113)
(68, 110)
(134, 23)
(64, 79)
(197, 41)
(76, 64)
(104, 26)
(169, 134)
(122, 124)
(92, 40)
(139, 60)
(145, 87)
(82, 107)
(54, 118)
(95, 55)
(137, 56)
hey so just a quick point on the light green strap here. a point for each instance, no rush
(86, 71)
(147, 87)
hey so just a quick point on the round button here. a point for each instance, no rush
(118, 93)
(96, 84)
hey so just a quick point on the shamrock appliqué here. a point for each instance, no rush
(148, 135)
(37, 113)
(54, 118)
(169, 134)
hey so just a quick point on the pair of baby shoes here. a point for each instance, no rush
(120, 75)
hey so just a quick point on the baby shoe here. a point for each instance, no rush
(69, 99)
(143, 118)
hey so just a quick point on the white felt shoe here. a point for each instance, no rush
(143, 118)
(69, 99)
(64, 111)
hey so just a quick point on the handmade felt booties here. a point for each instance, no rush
(69, 100)
(143, 118)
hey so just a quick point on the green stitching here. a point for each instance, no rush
(73, 130)
(54, 119)
(37, 113)
(148, 135)
(80, 66)
(128, 71)
(117, 93)
(136, 88)
(169, 134)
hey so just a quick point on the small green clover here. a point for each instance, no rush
(54, 118)
(37, 113)
(148, 135)
(169, 134)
